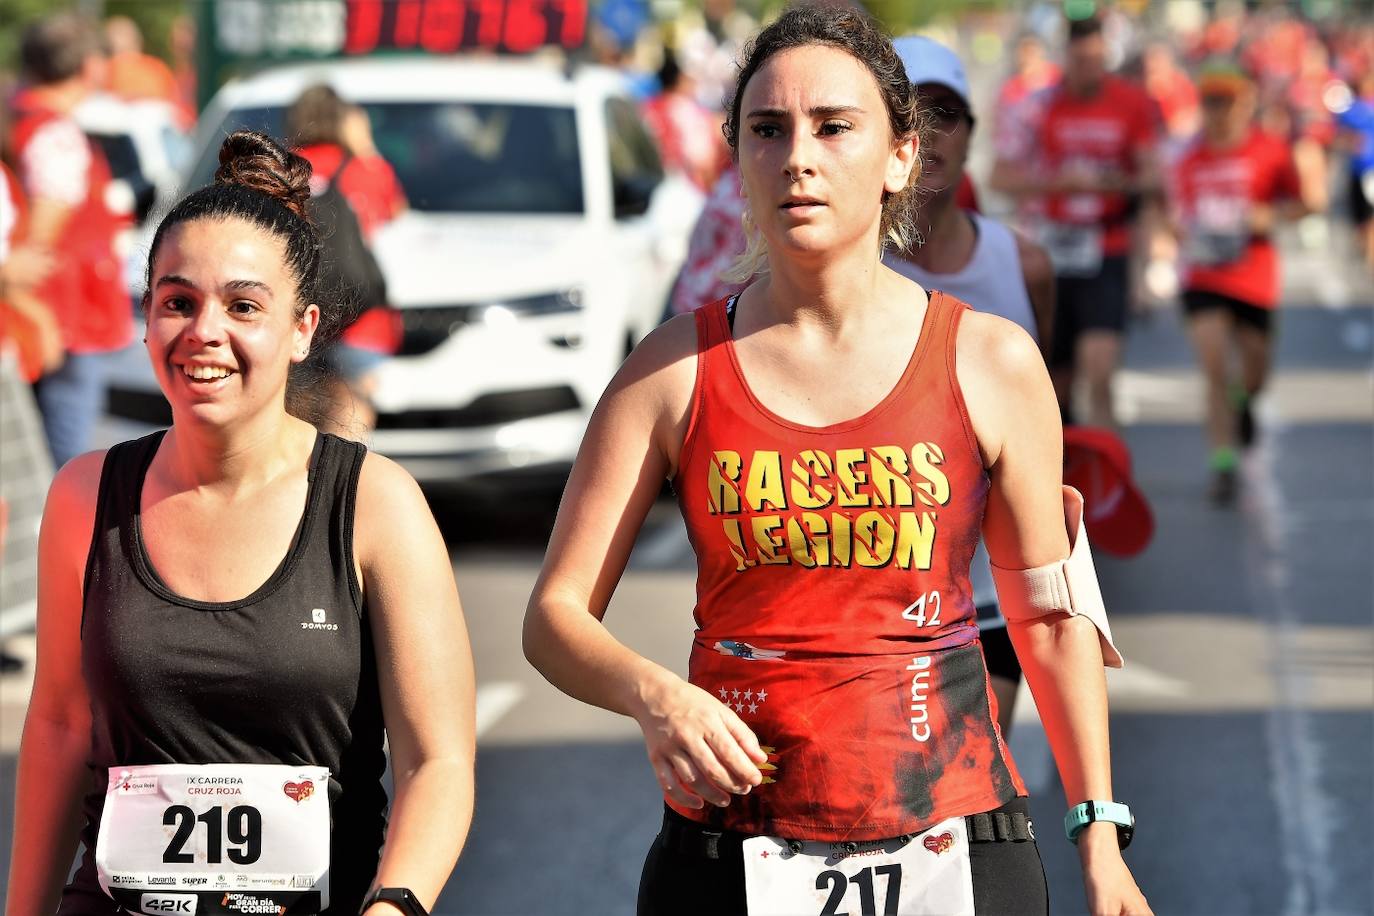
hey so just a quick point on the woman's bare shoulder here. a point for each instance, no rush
(664, 362)
(69, 513)
(998, 351)
(76, 485)
(1005, 384)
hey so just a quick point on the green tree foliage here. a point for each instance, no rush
(902, 16)
(154, 17)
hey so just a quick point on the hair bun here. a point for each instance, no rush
(254, 160)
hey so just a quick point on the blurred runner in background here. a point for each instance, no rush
(29, 332)
(30, 343)
(688, 135)
(182, 40)
(65, 177)
(356, 194)
(1088, 149)
(132, 73)
(1229, 192)
(1357, 138)
(1034, 71)
(369, 182)
(1169, 85)
(979, 261)
(717, 240)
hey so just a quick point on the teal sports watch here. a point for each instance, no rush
(1082, 815)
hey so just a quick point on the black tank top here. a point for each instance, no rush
(285, 676)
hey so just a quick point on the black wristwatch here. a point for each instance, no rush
(399, 897)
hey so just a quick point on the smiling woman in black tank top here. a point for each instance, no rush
(232, 613)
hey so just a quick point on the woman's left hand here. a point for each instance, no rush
(1110, 889)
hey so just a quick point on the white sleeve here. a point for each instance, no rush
(56, 163)
(9, 215)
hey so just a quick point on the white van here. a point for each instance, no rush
(541, 243)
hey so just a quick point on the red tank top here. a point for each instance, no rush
(834, 610)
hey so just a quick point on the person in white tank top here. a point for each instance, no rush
(980, 261)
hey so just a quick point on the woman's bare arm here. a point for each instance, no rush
(698, 747)
(52, 774)
(424, 667)
(1016, 419)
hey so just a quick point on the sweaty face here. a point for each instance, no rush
(816, 152)
(946, 149)
(222, 323)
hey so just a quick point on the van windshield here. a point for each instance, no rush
(456, 157)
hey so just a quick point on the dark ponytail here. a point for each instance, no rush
(262, 182)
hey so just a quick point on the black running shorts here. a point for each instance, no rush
(1196, 301)
(1096, 303)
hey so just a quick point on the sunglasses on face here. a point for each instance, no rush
(944, 109)
(947, 117)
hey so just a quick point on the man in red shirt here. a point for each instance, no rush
(336, 139)
(1088, 159)
(65, 176)
(1228, 192)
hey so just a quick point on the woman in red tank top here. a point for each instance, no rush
(837, 440)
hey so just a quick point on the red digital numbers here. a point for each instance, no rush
(441, 26)
(574, 22)
(364, 26)
(445, 26)
(526, 27)
(489, 13)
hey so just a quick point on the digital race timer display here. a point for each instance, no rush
(293, 28)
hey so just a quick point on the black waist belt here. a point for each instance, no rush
(1010, 823)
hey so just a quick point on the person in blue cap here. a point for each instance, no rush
(979, 260)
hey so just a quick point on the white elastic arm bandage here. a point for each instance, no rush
(1063, 587)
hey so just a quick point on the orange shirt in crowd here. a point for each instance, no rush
(134, 75)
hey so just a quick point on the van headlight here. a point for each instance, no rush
(506, 311)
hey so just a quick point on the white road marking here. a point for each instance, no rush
(1305, 811)
(1137, 680)
(494, 700)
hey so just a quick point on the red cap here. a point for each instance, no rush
(1116, 514)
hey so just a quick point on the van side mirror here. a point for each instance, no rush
(632, 195)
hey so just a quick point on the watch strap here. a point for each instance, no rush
(402, 898)
(1088, 812)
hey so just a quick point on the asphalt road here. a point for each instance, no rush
(1242, 728)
